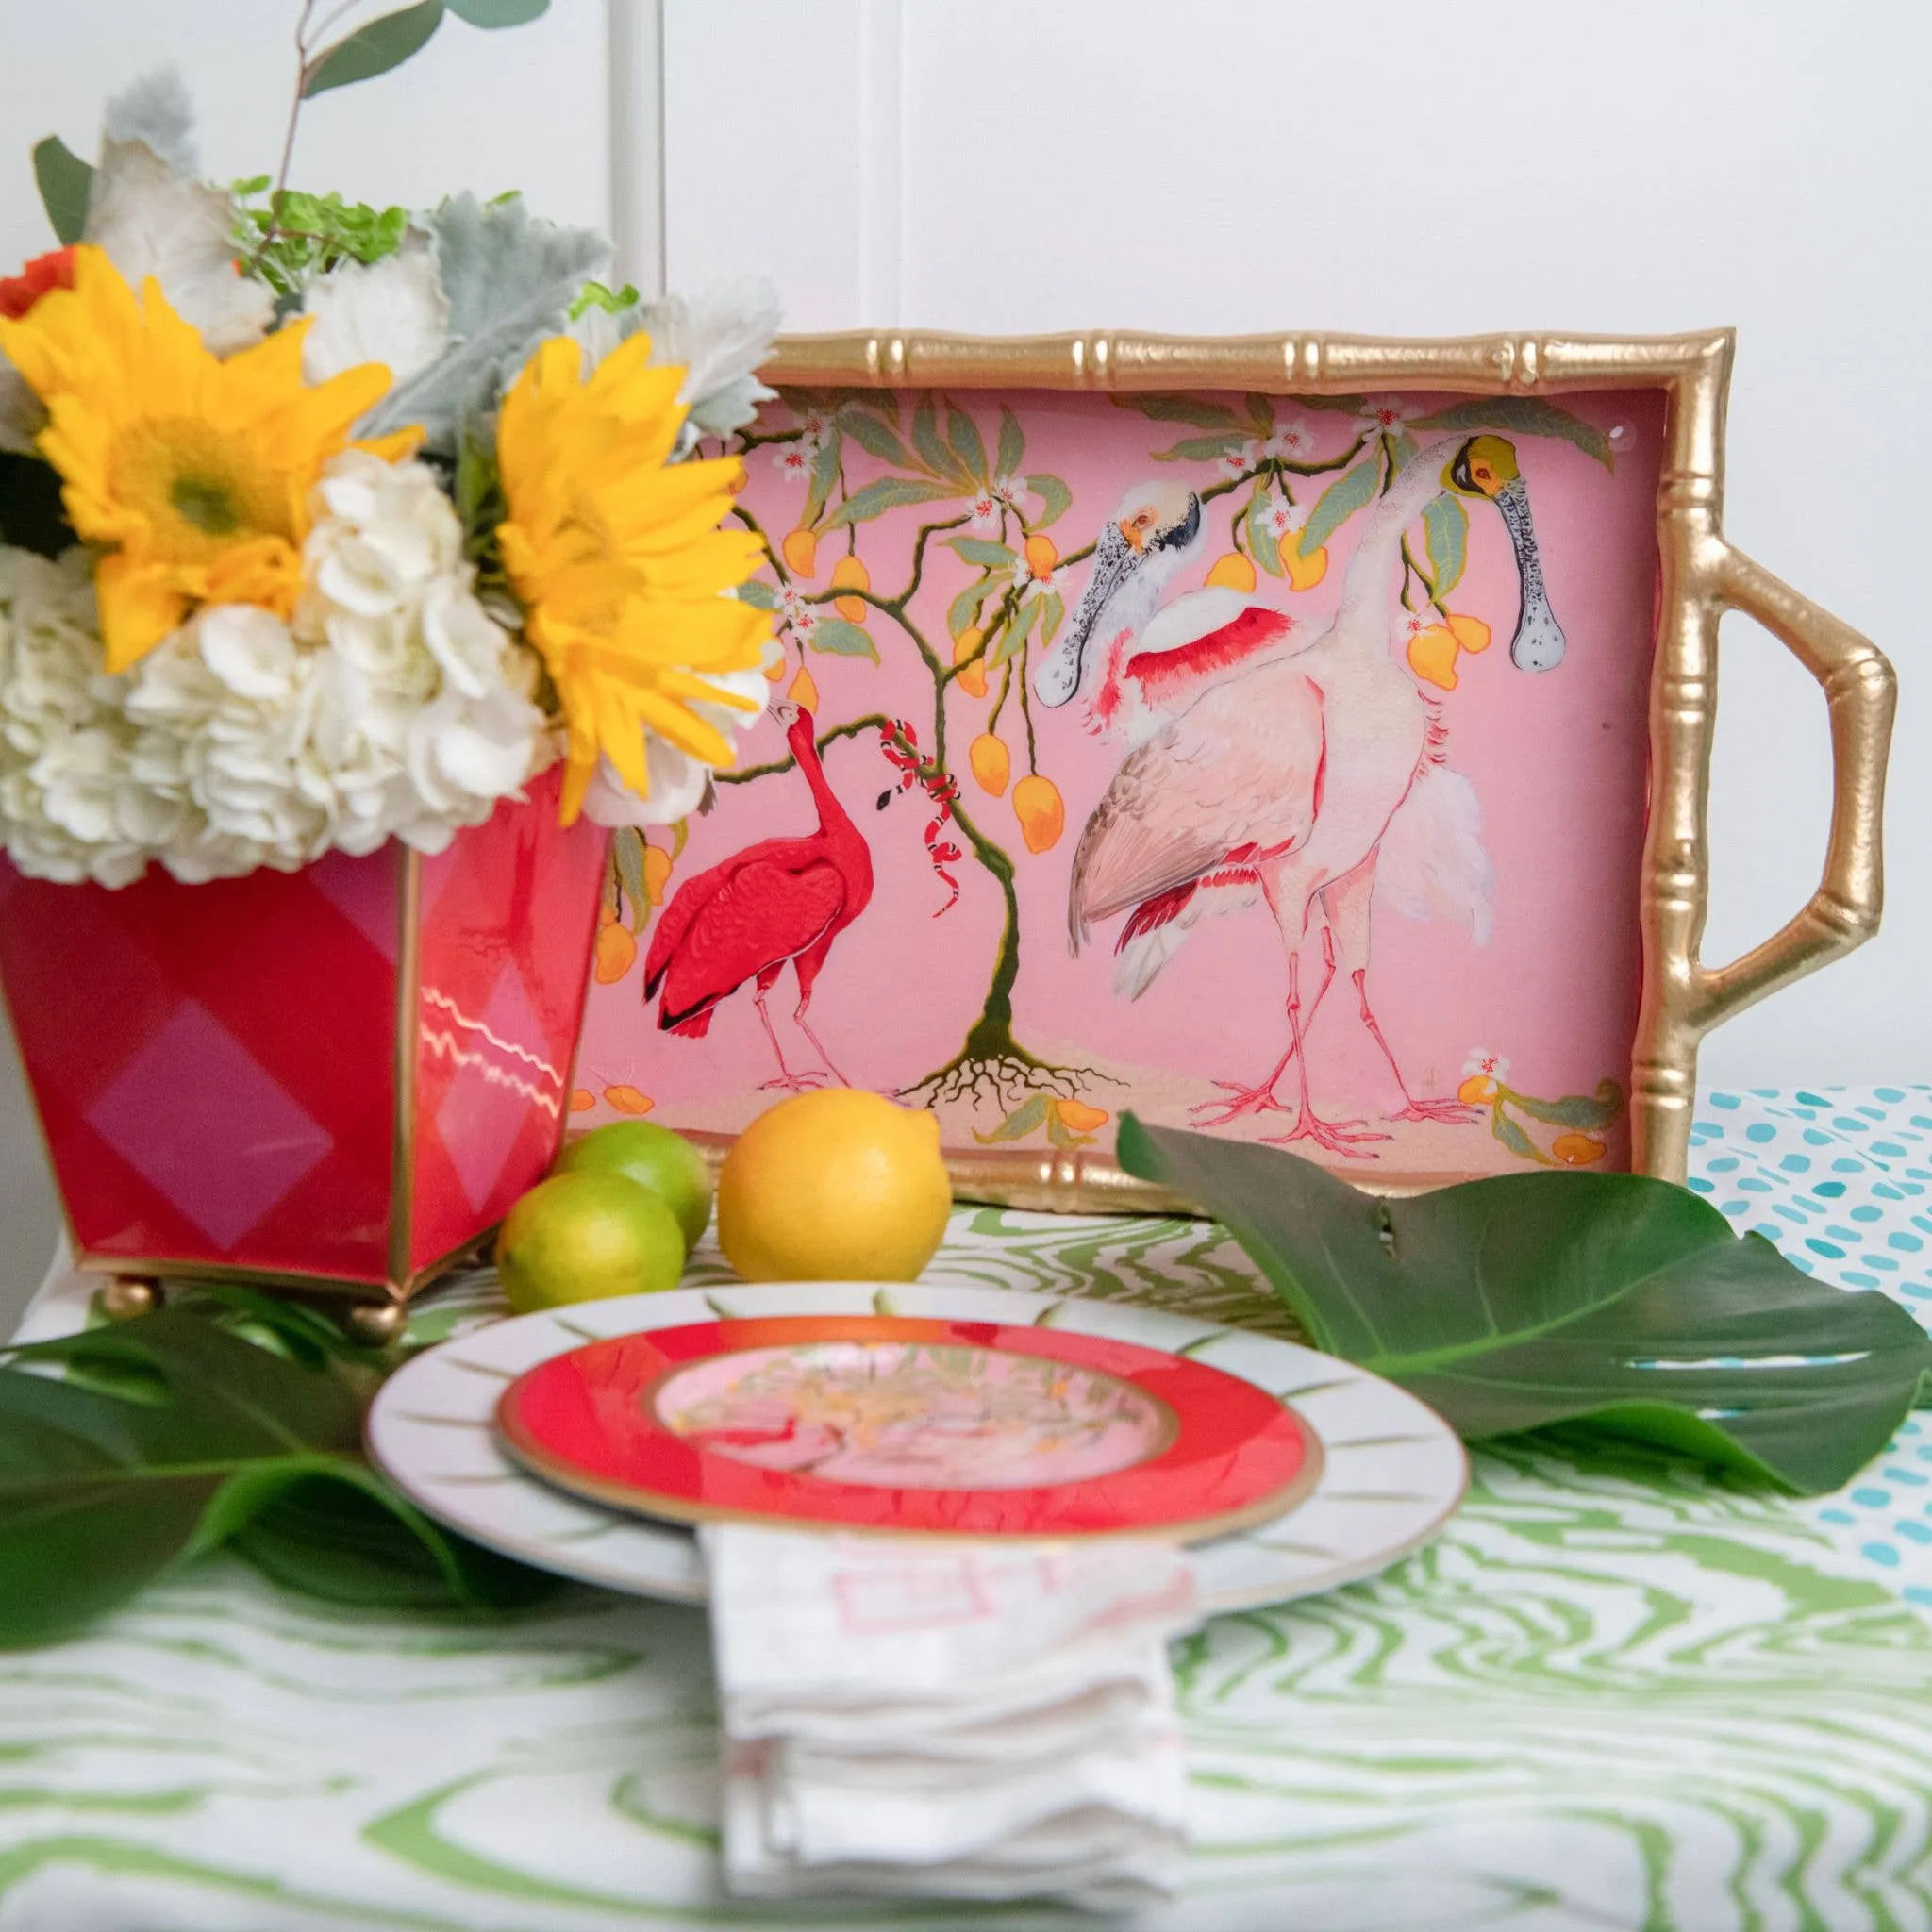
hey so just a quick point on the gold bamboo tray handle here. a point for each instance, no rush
(1861, 693)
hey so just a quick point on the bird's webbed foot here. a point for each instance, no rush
(809, 1082)
(1337, 1136)
(1240, 1100)
(1451, 1113)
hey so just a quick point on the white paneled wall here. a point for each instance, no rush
(1402, 167)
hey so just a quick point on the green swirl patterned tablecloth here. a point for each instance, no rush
(1612, 1694)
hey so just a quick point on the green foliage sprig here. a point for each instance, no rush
(287, 242)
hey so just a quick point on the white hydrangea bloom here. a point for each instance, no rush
(392, 705)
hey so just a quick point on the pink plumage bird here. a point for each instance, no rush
(780, 900)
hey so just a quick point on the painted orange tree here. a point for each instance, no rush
(995, 522)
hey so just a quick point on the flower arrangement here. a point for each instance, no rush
(322, 524)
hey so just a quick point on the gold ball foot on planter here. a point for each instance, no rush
(373, 1323)
(124, 1296)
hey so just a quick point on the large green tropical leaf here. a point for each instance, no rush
(1610, 1300)
(130, 1448)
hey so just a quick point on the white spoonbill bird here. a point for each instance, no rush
(1287, 770)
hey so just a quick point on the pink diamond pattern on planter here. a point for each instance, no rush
(195, 1076)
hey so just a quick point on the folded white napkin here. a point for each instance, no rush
(954, 1720)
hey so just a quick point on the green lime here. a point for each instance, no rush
(665, 1162)
(579, 1236)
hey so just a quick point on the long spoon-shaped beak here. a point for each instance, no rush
(1537, 644)
(1114, 561)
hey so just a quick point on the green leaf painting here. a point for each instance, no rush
(1262, 546)
(888, 493)
(1007, 643)
(964, 608)
(984, 552)
(932, 449)
(1182, 410)
(1202, 449)
(66, 183)
(1613, 1302)
(1053, 495)
(842, 640)
(875, 438)
(1012, 445)
(1341, 501)
(1445, 528)
(127, 1449)
(825, 473)
(963, 438)
(1522, 416)
(373, 48)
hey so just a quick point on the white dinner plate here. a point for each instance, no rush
(1393, 1471)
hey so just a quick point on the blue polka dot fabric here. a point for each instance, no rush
(1840, 1178)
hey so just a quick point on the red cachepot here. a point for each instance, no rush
(335, 1080)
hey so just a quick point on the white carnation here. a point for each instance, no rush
(392, 705)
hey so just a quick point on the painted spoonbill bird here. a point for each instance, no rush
(1291, 765)
(782, 899)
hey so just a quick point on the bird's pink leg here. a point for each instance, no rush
(805, 1028)
(807, 968)
(1447, 1112)
(1261, 1099)
(790, 1082)
(1333, 1135)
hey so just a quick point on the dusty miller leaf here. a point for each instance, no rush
(510, 279)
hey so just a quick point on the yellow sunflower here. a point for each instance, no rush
(191, 473)
(616, 555)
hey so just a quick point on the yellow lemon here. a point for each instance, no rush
(653, 1156)
(804, 690)
(582, 1100)
(627, 1099)
(1471, 633)
(849, 573)
(1079, 1116)
(1233, 571)
(1304, 572)
(801, 549)
(617, 948)
(657, 873)
(1432, 656)
(580, 1236)
(1041, 811)
(1041, 555)
(1477, 1091)
(990, 762)
(834, 1186)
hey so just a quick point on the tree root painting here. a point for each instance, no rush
(1231, 783)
